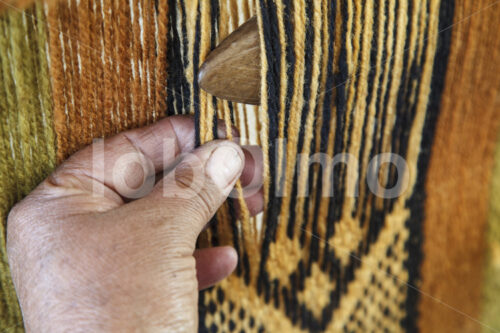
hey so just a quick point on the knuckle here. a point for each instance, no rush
(71, 174)
(13, 227)
(25, 232)
(20, 216)
(195, 210)
(15, 213)
(207, 204)
(193, 193)
(184, 175)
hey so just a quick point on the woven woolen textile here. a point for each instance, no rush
(343, 81)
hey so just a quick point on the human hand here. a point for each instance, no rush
(84, 257)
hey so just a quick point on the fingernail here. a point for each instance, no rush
(224, 166)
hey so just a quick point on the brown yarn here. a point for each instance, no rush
(98, 72)
(107, 72)
(84, 30)
(70, 77)
(161, 61)
(459, 173)
(58, 82)
(145, 59)
(124, 56)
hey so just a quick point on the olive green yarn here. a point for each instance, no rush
(491, 288)
(27, 144)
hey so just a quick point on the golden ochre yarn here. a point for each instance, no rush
(349, 77)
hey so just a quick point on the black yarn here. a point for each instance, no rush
(371, 79)
(335, 205)
(273, 53)
(178, 92)
(306, 109)
(416, 201)
(196, 87)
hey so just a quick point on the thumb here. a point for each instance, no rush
(188, 196)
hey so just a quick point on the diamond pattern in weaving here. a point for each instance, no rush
(341, 77)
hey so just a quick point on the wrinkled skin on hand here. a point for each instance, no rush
(85, 257)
